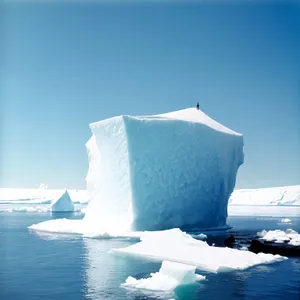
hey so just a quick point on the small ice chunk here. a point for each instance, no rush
(170, 276)
(199, 277)
(244, 248)
(278, 236)
(273, 235)
(201, 236)
(286, 220)
(295, 241)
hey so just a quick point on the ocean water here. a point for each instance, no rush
(49, 266)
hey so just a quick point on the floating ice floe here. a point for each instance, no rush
(176, 246)
(289, 236)
(80, 227)
(170, 276)
(286, 220)
(60, 226)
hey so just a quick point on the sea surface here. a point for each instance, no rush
(61, 267)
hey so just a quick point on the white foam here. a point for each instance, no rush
(170, 276)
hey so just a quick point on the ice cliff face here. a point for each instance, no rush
(163, 171)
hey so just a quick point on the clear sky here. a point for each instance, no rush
(65, 65)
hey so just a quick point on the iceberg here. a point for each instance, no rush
(62, 204)
(170, 276)
(162, 171)
(176, 246)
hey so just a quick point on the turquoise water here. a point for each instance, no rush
(47, 266)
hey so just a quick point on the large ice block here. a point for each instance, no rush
(163, 171)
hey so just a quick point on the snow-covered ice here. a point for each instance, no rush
(276, 201)
(289, 236)
(163, 171)
(286, 195)
(279, 211)
(60, 226)
(40, 195)
(62, 204)
(79, 227)
(170, 276)
(177, 246)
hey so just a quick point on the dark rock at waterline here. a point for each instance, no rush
(283, 249)
(229, 241)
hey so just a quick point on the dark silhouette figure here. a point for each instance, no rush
(197, 106)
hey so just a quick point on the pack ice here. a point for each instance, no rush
(163, 171)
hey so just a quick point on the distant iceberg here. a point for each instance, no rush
(62, 204)
(286, 221)
(162, 171)
(285, 195)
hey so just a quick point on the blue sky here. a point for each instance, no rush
(69, 64)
